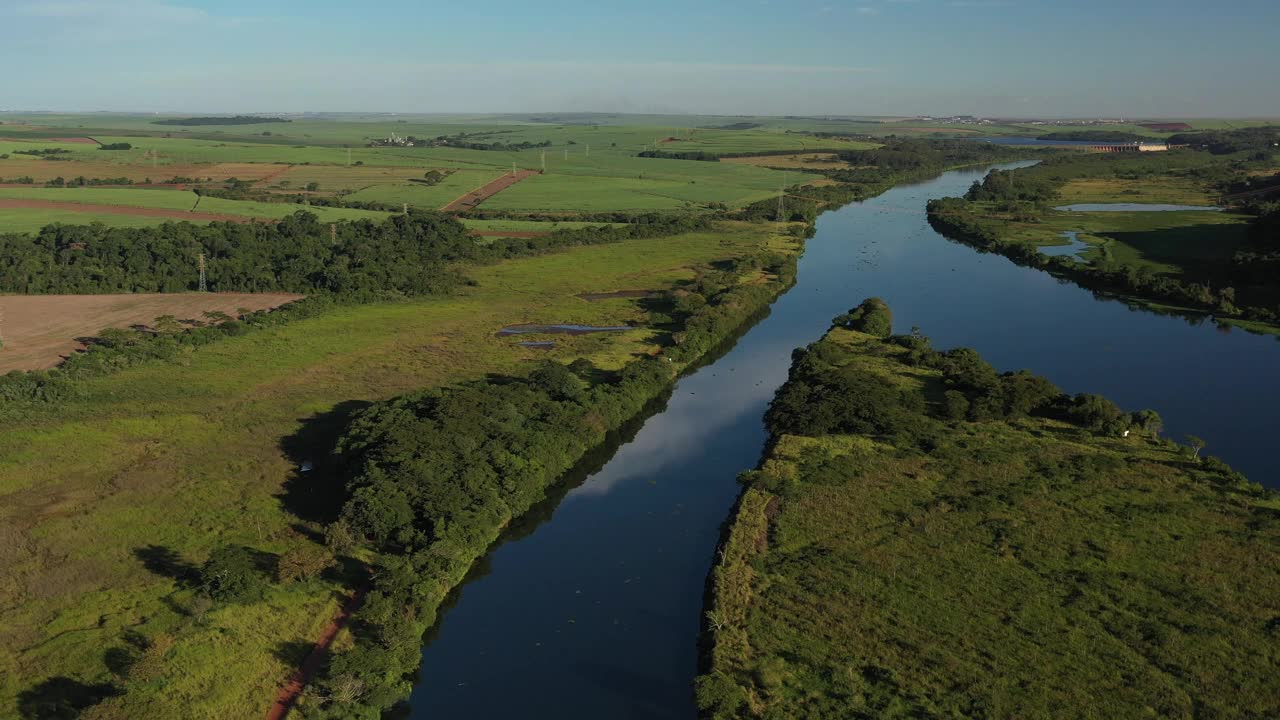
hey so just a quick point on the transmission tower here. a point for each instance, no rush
(588, 153)
(204, 287)
(544, 161)
(513, 168)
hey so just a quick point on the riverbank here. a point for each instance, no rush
(437, 476)
(102, 491)
(1197, 261)
(930, 552)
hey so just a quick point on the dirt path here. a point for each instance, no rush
(121, 210)
(289, 694)
(266, 179)
(475, 197)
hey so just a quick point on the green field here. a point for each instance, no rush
(1021, 568)
(432, 197)
(110, 496)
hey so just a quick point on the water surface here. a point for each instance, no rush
(595, 613)
(1073, 248)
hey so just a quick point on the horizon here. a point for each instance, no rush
(882, 58)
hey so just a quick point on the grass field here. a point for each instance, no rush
(431, 197)
(1016, 569)
(40, 330)
(1159, 190)
(111, 498)
(178, 201)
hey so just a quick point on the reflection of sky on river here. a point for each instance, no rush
(596, 613)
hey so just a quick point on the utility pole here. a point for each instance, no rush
(588, 150)
(566, 153)
(203, 285)
(348, 156)
(544, 161)
(513, 168)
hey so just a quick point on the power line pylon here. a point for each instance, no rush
(204, 287)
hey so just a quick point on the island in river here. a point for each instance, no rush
(928, 538)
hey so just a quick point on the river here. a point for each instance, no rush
(594, 612)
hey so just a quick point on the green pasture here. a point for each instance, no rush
(457, 184)
(1177, 243)
(1014, 569)
(154, 466)
(159, 199)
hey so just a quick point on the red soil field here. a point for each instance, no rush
(40, 330)
(120, 210)
(475, 197)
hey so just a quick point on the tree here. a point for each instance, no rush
(313, 186)
(557, 381)
(1196, 445)
(872, 317)
(231, 575)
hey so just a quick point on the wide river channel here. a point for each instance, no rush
(591, 609)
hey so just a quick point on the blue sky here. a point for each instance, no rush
(1070, 58)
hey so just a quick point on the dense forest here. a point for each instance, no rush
(929, 537)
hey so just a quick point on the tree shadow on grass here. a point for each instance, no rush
(165, 562)
(315, 491)
(61, 698)
(293, 652)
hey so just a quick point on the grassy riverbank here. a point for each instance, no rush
(904, 560)
(103, 492)
(1190, 261)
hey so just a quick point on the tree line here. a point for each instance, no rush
(435, 475)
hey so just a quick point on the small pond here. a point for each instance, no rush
(562, 329)
(1073, 248)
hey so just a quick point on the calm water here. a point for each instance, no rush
(594, 613)
(1073, 247)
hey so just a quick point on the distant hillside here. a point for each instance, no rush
(221, 120)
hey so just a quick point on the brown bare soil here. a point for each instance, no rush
(64, 206)
(41, 330)
(42, 170)
(475, 197)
